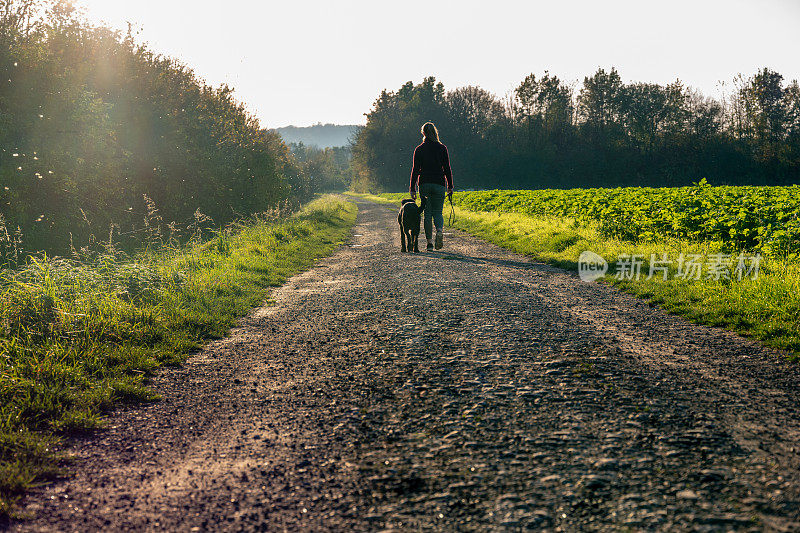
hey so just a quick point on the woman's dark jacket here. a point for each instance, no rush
(431, 165)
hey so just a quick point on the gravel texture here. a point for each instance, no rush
(467, 389)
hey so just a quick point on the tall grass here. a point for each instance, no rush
(78, 337)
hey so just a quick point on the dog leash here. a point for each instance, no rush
(452, 217)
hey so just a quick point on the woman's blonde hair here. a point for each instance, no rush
(430, 132)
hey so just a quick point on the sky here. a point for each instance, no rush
(301, 62)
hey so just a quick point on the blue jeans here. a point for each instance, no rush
(435, 195)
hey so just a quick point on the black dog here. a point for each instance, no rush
(408, 218)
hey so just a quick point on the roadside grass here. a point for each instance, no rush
(767, 308)
(77, 338)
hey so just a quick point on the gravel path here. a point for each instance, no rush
(467, 389)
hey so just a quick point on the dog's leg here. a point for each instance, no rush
(402, 238)
(409, 249)
(416, 243)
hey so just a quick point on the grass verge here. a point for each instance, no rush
(767, 308)
(75, 339)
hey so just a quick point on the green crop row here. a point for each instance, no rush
(756, 219)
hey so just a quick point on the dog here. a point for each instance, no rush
(409, 218)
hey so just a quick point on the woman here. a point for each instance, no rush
(432, 169)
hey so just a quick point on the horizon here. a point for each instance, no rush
(312, 125)
(288, 74)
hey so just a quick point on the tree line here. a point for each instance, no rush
(323, 169)
(98, 133)
(604, 133)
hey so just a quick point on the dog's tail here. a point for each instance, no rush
(422, 202)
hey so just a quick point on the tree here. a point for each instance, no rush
(545, 106)
(600, 101)
(651, 112)
(472, 109)
(765, 114)
(703, 116)
(791, 103)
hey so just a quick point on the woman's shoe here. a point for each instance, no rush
(439, 238)
(430, 246)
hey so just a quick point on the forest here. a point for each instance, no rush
(102, 139)
(602, 133)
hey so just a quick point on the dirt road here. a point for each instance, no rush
(463, 390)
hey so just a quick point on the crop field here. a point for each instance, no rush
(758, 219)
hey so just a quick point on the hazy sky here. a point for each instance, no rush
(301, 62)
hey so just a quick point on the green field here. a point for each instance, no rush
(760, 219)
(715, 224)
(78, 337)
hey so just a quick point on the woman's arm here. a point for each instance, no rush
(415, 170)
(448, 173)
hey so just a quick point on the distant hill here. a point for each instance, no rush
(321, 135)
